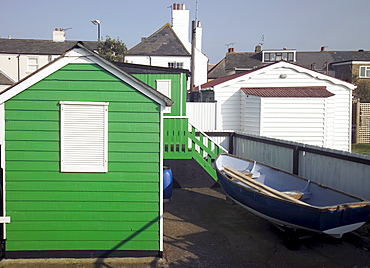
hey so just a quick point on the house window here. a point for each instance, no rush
(278, 56)
(84, 136)
(267, 57)
(33, 64)
(290, 56)
(273, 56)
(364, 71)
(175, 64)
(164, 86)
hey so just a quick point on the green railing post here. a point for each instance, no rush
(181, 142)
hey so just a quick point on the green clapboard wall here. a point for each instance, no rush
(51, 210)
(178, 89)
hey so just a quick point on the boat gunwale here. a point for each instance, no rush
(361, 203)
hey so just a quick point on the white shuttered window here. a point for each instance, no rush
(164, 86)
(84, 136)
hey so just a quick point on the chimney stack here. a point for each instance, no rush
(230, 50)
(59, 35)
(258, 48)
(180, 22)
(322, 49)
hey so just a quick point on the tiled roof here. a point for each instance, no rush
(243, 60)
(222, 80)
(5, 80)
(145, 69)
(164, 42)
(218, 70)
(316, 60)
(41, 47)
(289, 92)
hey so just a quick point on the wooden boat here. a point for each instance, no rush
(288, 200)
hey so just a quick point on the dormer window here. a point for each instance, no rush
(175, 64)
(278, 55)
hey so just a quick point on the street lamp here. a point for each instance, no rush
(97, 22)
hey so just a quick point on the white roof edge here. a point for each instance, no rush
(75, 55)
(301, 69)
(351, 62)
(35, 77)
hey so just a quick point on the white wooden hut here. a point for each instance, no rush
(285, 101)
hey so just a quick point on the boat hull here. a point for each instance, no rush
(333, 222)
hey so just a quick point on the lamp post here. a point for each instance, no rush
(97, 22)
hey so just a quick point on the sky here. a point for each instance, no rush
(339, 25)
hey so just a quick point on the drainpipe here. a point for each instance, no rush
(19, 68)
(193, 43)
(150, 60)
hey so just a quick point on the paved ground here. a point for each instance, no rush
(202, 230)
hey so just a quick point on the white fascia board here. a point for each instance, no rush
(350, 62)
(360, 62)
(35, 77)
(125, 78)
(231, 82)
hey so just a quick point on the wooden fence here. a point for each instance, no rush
(203, 115)
(341, 170)
(361, 122)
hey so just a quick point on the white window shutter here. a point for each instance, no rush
(84, 136)
(164, 86)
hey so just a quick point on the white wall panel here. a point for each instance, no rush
(202, 115)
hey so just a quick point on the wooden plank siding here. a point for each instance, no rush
(323, 122)
(51, 210)
(296, 119)
(178, 94)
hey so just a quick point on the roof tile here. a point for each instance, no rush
(289, 92)
(163, 42)
(41, 47)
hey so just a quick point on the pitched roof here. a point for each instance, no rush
(317, 60)
(280, 64)
(243, 60)
(163, 42)
(41, 47)
(90, 55)
(289, 92)
(5, 80)
(146, 69)
(218, 70)
(222, 80)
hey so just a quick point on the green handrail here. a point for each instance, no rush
(184, 141)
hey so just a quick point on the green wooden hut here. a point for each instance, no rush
(82, 158)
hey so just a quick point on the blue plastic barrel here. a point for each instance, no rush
(167, 183)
